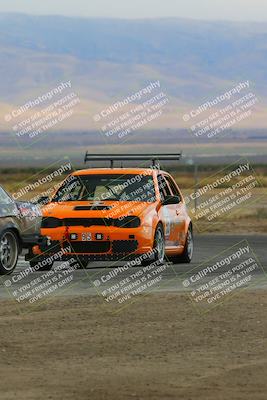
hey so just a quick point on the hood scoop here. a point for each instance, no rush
(97, 207)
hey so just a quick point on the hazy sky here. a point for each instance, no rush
(199, 9)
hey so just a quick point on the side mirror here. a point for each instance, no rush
(171, 200)
(43, 200)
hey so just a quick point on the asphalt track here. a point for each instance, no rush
(207, 250)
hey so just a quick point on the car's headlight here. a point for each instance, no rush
(128, 222)
(51, 222)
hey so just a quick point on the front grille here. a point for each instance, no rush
(89, 247)
(124, 246)
(86, 222)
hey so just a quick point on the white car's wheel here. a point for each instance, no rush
(9, 252)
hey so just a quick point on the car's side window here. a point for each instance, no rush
(164, 189)
(4, 198)
(174, 189)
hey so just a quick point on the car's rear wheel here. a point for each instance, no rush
(187, 255)
(158, 248)
(9, 252)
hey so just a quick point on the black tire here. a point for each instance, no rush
(9, 252)
(187, 255)
(158, 247)
(41, 268)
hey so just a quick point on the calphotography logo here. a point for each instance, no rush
(213, 282)
(42, 114)
(220, 196)
(218, 116)
(133, 113)
(122, 285)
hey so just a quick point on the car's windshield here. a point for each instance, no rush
(117, 187)
(4, 198)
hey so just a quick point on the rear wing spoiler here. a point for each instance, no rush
(132, 157)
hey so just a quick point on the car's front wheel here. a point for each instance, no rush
(158, 248)
(159, 245)
(9, 252)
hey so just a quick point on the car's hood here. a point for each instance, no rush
(105, 209)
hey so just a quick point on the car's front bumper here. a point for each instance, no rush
(115, 243)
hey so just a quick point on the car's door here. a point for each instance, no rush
(168, 213)
(180, 215)
(29, 219)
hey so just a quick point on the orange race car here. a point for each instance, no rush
(116, 214)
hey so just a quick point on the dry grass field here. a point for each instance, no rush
(251, 217)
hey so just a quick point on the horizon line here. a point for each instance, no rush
(210, 20)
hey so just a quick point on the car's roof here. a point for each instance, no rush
(120, 171)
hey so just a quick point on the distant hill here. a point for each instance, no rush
(190, 56)
(107, 59)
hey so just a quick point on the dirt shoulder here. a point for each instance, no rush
(158, 348)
